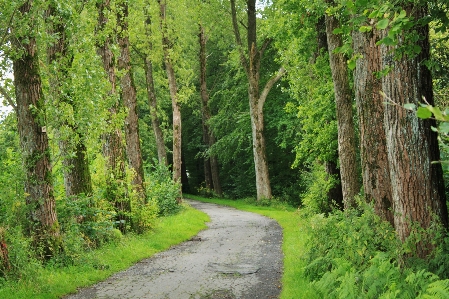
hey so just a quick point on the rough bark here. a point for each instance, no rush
(43, 223)
(417, 183)
(370, 110)
(77, 179)
(152, 100)
(112, 140)
(129, 101)
(256, 98)
(345, 122)
(210, 162)
(167, 45)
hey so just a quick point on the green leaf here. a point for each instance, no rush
(423, 113)
(365, 28)
(402, 14)
(436, 112)
(352, 64)
(444, 128)
(410, 106)
(382, 24)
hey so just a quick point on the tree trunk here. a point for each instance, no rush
(335, 193)
(152, 98)
(166, 43)
(112, 140)
(370, 109)
(77, 179)
(256, 99)
(210, 162)
(43, 223)
(155, 123)
(417, 183)
(129, 99)
(345, 122)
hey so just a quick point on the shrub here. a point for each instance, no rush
(354, 254)
(162, 189)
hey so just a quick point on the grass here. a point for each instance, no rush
(97, 265)
(294, 285)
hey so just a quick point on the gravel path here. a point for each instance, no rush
(238, 257)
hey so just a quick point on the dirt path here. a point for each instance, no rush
(239, 256)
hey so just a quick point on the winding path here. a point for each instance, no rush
(238, 257)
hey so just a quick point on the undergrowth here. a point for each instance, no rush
(354, 254)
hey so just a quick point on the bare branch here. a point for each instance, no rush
(265, 45)
(5, 94)
(268, 87)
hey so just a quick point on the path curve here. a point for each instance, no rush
(238, 257)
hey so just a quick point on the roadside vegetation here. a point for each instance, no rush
(90, 266)
(351, 254)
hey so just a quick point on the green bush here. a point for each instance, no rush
(315, 198)
(162, 189)
(354, 254)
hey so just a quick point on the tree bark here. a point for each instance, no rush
(370, 110)
(417, 183)
(77, 179)
(129, 100)
(210, 161)
(256, 99)
(43, 222)
(345, 122)
(112, 140)
(167, 45)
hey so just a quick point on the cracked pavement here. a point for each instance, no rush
(239, 256)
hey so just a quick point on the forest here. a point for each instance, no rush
(336, 108)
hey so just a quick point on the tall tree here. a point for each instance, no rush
(112, 139)
(43, 223)
(77, 179)
(152, 97)
(343, 99)
(251, 65)
(210, 161)
(129, 99)
(417, 184)
(370, 109)
(167, 47)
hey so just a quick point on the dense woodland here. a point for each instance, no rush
(334, 107)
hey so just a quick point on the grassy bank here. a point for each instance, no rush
(96, 265)
(294, 285)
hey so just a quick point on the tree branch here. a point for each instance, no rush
(5, 94)
(238, 38)
(268, 86)
(265, 45)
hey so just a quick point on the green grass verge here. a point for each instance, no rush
(99, 264)
(294, 285)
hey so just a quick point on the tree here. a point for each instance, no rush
(152, 98)
(112, 146)
(345, 122)
(77, 179)
(167, 47)
(251, 65)
(43, 222)
(417, 183)
(129, 99)
(370, 109)
(210, 161)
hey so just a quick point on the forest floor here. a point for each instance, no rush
(239, 256)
